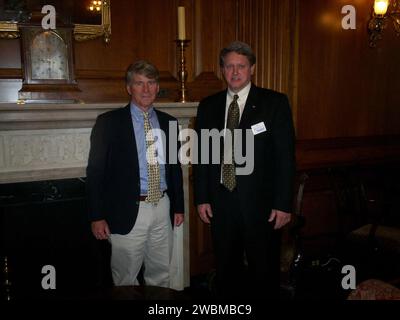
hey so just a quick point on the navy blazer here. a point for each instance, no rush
(113, 179)
(270, 185)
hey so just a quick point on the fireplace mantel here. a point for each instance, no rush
(51, 141)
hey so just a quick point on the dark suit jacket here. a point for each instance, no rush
(270, 185)
(113, 179)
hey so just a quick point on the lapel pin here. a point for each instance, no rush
(253, 107)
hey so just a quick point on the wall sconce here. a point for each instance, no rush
(384, 10)
(95, 6)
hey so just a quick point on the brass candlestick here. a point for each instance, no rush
(182, 73)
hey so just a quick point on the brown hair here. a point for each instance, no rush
(141, 67)
(240, 48)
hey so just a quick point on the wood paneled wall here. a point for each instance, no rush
(345, 88)
(147, 29)
(269, 27)
(338, 86)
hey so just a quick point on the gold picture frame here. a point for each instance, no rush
(82, 32)
(8, 30)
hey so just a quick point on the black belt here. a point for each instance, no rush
(143, 198)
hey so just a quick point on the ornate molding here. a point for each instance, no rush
(51, 141)
(8, 30)
(82, 32)
(43, 149)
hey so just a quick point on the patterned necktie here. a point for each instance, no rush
(153, 169)
(228, 169)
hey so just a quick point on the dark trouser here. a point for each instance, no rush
(239, 237)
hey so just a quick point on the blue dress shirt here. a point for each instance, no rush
(138, 126)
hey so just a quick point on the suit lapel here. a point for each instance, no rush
(220, 116)
(250, 108)
(127, 126)
(129, 134)
(221, 105)
(164, 126)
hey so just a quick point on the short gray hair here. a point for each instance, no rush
(144, 68)
(240, 48)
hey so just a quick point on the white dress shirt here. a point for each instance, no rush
(243, 94)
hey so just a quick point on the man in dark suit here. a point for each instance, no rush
(246, 212)
(135, 193)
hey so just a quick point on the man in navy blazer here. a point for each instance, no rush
(118, 180)
(246, 221)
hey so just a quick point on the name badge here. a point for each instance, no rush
(258, 128)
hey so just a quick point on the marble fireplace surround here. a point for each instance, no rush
(51, 141)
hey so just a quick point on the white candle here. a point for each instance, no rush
(181, 23)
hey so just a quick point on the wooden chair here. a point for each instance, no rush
(292, 250)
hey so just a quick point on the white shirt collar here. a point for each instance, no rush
(242, 93)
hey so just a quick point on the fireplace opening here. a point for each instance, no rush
(44, 223)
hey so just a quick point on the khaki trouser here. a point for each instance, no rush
(149, 242)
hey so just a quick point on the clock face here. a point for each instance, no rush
(49, 57)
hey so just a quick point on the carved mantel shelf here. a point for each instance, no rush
(55, 116)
